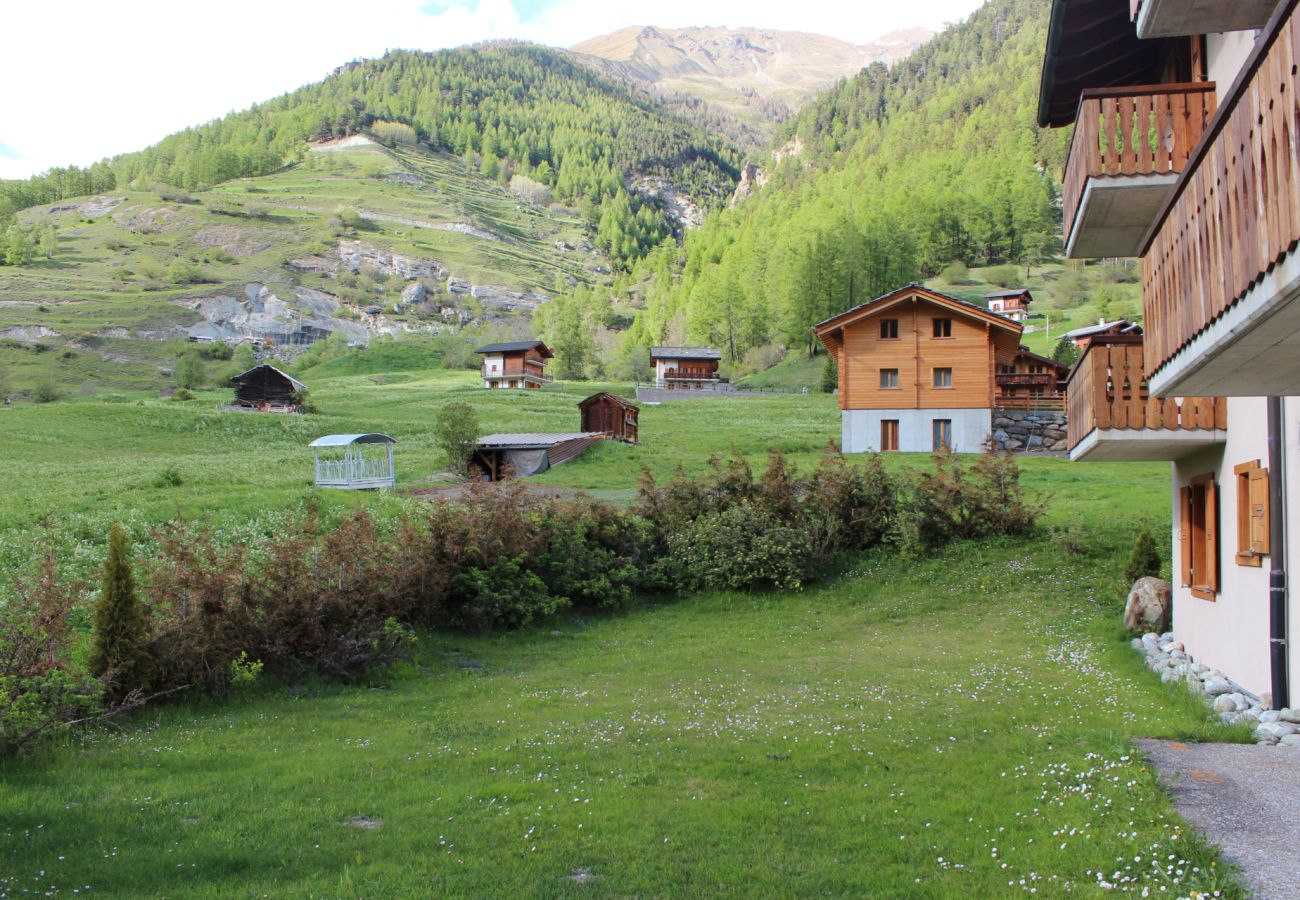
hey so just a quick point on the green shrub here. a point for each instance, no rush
(1003, 276)
(830, 376)
(956, 272)
(739, 547)
(182, 395)
(456, 434)
(1144, 560)
(168, 477)
(46, 390)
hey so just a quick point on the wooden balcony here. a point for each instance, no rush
(1129, 145)
(1113, 417)
(1220, 278)
(1044, 380)
(1177, 18)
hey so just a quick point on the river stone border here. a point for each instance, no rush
(1234, 704)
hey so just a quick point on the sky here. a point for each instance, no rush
(88, 79)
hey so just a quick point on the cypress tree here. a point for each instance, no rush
(830, 376)
(119, 649)
(1145, 558)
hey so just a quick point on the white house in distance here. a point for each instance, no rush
(686, 367)
(515, 364)
(1014, 304)
(1213, 384)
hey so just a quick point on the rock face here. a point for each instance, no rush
(752, 178)
(680, 207)
(261, 313)
(1021, 429)
(1149, 604)
(354, 256)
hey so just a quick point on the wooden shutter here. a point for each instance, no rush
(1260, 539)
(1210, 578)
(1185, 536)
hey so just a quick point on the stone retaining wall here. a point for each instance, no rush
(1022, 429)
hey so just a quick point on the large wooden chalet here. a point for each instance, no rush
(515, 364)
(1031, 381)
(686, 367)
(917, 369)
(1208, 197)
(1014, 304)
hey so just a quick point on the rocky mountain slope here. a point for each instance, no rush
(758, 74)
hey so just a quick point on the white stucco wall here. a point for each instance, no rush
(1225, 54)
(1231, 632)
(860, 429)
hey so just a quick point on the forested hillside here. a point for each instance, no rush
(889, 177)
(509, 109)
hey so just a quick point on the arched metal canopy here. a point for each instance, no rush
(347, 440)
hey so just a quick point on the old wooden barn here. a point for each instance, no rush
(610, 415)
(266, 389)
(499, 455)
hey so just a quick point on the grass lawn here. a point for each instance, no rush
(949, 725)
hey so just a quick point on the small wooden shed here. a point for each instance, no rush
(528, 454)
(266, 389)
(343, 461)
(610, 414)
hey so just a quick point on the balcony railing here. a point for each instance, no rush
(678, 375)
(1230, 220)
(1026, 379)
(1123, 133)
(1107, 392)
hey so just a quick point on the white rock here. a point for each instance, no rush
(1270, 715)
(1136, 643)
(1177, 645)
(1216, 686)
(1224, 704)
(1242, 703)
(1195, 684)
(1168, 676)
(1291, 740)
(1291, 715)
(1277, 729)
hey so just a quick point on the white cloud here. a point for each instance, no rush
(91, 79)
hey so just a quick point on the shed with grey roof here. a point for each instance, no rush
(499, 455)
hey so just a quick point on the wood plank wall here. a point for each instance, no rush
(1237, 211)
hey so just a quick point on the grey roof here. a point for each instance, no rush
(1124, 326)
(532, 441)
(297, 385)
(998, 295)
(685, 353)
(509, 346)
(346, 440)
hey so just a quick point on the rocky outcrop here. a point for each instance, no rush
(1149, 605)
(752, 177)
(1020, 430)
(150, 220)
(261, 313)
(238, 242)
(355, 255)
(679, 206)
(29, 334)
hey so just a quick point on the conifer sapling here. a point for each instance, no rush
(121, 636)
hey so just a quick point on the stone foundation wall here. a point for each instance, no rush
(1021, 429)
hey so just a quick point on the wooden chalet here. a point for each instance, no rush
(266, 389)
(1082, 337)
(1031, 381)
(515, 364)
(686, 368)
(1208, 197)
(610, 415)
(498, 456)
(916, 370)
(1014, 304)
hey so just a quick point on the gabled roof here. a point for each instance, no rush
(1093, 44)
(1119, 326)
(532, 441)
(1002, 295)
(915, 288)
(626, 404)
(515, 347)
(297, 385)
(347, 440)
(685, 353)
(1045, 360)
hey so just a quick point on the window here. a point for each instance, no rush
(942, 328)
(943, 378)
(888, 434)
(889, 329)
(1253, 538)
(1198, 536)
(888, 379)
(942, 433)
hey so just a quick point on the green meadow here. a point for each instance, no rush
(954, 724)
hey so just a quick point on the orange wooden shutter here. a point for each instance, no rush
(1260, 539)
(1185, 535)
(1211, 574)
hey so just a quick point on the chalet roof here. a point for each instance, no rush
(1119, 326)
(1025, 352)
(347, 440)
(514, 347)
(958, 305)
(1000, 295)
(297, 385)
(532, 441)
(626, 404)
(1093, 44)
(685, 353)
